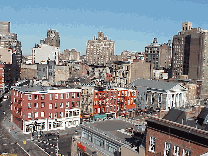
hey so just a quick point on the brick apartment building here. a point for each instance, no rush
(100, 50)
(159, 55)
(166, 138)
(189, 51)
(113, 100)
(52, 108)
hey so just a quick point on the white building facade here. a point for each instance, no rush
(43, 52)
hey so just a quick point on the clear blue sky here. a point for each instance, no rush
(132, 24)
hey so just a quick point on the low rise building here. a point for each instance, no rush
(191, 93)
(51, 108)
(175, 135)
(158, 94)
(106, 138)
(113, 100)
(159, 74)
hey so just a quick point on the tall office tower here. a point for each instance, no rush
(159, 55)
(10, 41)
(4, 27)
(52, 39)
(99, 51)
(189, 55)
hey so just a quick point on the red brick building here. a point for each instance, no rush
(1, 77)
(113, 100)
(167, 138)
(52, 108)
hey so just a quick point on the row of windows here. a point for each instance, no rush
(107, 101)
(108, 109)
(55, 96)
(122, 93)
(42, 114)
(167, 148)
(55, 105)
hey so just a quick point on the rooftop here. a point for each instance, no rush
(45, 89)
(153, 84)
(111, 129)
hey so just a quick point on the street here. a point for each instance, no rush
(7, 142)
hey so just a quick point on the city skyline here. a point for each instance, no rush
(131, 25)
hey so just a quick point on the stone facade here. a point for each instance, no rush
(99, 51)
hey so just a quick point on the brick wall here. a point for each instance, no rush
(161, 138)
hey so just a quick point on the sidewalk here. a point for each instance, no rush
(18, 137)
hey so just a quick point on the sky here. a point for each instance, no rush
(131, 24)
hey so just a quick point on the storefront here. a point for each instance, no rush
(31, 125)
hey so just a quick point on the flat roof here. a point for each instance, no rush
(47, 89)
(110, 127)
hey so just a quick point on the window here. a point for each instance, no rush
(50, 115)
(167, 149)
(61, 96)
(61, 105)
(56, 105)
(29, 115)
(96, 95)
(186, 153)
(42, 96)
(56, 115)
(67, 95)
(50, 96)
(176, 150)
(42, 114)
(42, 104)
(72, 103)
(36, 97)
(67, 104)
(152, 144)
(95, 103)
(77, 94)
(95, 110)
(50, 106)
(77, 103)
(73, 95)
(29, 97)
(36, 105)
(61, 114)
(56, 96)
(36, 114)
(29, 105)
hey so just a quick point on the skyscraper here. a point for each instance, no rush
(159, 55)
(189, 55)
(9, 40)
(99, 51)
